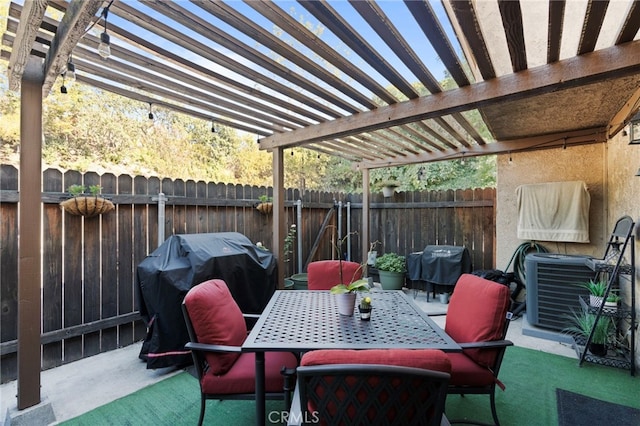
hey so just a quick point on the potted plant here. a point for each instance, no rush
(392, 268)
(265, 206)
(372, 254)
(581, 326)
(86, 204)
(596, 292)
(365, 308)
(389, 187)
(611, 304)
(346, 295)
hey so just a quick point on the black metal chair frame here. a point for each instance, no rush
(198, 353)
(500, 346)
(400, 384)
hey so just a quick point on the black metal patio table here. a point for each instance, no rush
(300, 321)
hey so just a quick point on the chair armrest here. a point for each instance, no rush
(487, 345)
(212, 348)
(250, 320)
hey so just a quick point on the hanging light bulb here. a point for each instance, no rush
(63, 88)
(150, 112)
(104, 48)
(70, 73)
(213, 127)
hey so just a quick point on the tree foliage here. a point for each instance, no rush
(90, 129)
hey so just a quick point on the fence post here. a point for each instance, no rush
(349, 231)
(161, 199)
(299, 232)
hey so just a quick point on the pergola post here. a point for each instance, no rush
(29, 243)
(365, 215)
(278, 212)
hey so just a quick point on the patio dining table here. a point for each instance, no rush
(300, 321)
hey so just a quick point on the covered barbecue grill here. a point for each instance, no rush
(184, 261)
(438, 265)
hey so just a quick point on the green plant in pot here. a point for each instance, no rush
(392, 268)
(597, 289)
(581, 325)
(346, 295)
(612, 301)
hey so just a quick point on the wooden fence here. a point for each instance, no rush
(88, 287)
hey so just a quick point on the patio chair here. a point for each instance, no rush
(324, 274)
(372, 387)
(217, 330)
(477, 319)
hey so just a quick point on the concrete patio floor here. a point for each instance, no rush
(83, 385)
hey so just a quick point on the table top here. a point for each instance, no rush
(299, 320)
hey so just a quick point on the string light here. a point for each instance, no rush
(213, 127)
(150, 112)
(63, 88)
(104, 48)
(70, 73)
(510, 159)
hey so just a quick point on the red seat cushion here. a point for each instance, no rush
(477, 313)
(217, 320)
(430, 359)
(466, 372)
(324, 274)
(241, 378)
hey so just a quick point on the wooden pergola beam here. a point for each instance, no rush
(32, 16)
(73, 26)
(613, 62)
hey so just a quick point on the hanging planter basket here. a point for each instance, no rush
(87, 206)
(265, 208)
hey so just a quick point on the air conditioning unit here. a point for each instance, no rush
(553, 287)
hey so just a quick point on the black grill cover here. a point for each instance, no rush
(440, 265)
(183, 261)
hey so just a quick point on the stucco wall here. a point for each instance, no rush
(582, 163)
(609, 172)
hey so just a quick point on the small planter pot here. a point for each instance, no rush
(346, 303)
(300, 281)
(611, 306)
(391, 280)
(598, 349)
(365, 313)
(388, 191)
(371, 258)
(595, 301)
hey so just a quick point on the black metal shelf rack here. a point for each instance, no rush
(621, 348)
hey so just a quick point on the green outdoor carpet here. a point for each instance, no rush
(575, 409)
(531, 378)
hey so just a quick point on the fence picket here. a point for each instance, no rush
(100, 254)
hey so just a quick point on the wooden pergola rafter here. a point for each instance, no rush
(363, 87)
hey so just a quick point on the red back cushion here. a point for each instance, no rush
(477, 313)
(430, 359)
(324, 274)
(217, 320)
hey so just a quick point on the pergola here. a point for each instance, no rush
(531, 74)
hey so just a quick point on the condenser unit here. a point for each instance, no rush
(553, 287)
